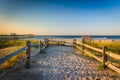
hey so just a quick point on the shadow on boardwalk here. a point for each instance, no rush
(62, 63)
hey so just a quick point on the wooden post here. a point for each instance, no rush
(27, 65)
(74, 42)
(47, 41)
(40, 47)
(104, 55)
(63, 43)
(83, 44)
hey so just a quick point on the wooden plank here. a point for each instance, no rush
(34, 45)
(107, 64)
(55, 41)
(78, 47)
(113, 55)
(65, 42)
(79, 43)
(93, 48)
(62, 42)
(74, 42)
(69, 42)
(90, 47)
(12, 54)
(44, 47)
(35, 53)
(87, 52)
(12, 68)
(113, 67)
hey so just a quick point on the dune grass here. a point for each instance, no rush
(7, 47)
(113, 46)
(9, 43)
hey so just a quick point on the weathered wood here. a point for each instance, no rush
(47, 41)
(40, 46)
(59, 42)
(34, 45)
(12, 54)
(26, 60)
(90, 47)
(104, 55)
(89, 53)
(83, 44)
(27, 65)
(106, 63)
(79, 43)
(112, 67)
(78, 47)
(74, 42)
(113, 55)
(110, 54)
(63, 42)
(44, 47)
(35, 53)
(12, 68)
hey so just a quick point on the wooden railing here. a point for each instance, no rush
(105, 54)
(26, 59)
(79, 45)
(85, 49)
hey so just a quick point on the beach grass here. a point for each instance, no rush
(8, 47)
(113, 46)
(9, 43)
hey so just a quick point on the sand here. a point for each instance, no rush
(62, 63)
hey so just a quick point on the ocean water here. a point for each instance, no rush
(75, 37)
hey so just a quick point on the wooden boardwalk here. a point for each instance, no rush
(62, 63)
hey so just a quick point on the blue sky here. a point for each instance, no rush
(60, 17)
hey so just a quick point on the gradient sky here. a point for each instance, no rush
(60, 17)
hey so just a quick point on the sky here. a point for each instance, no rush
(60, 17)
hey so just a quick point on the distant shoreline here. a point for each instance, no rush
(15, 37)
(37, 37)
(112, 37)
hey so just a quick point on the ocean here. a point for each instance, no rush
(77, 37)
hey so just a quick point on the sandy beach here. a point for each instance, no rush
(62, 63)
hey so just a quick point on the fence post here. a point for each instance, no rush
(39, 46)
(83, 44)
(104, 55)
(47, 41)
(27, 65)
(74, 42)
